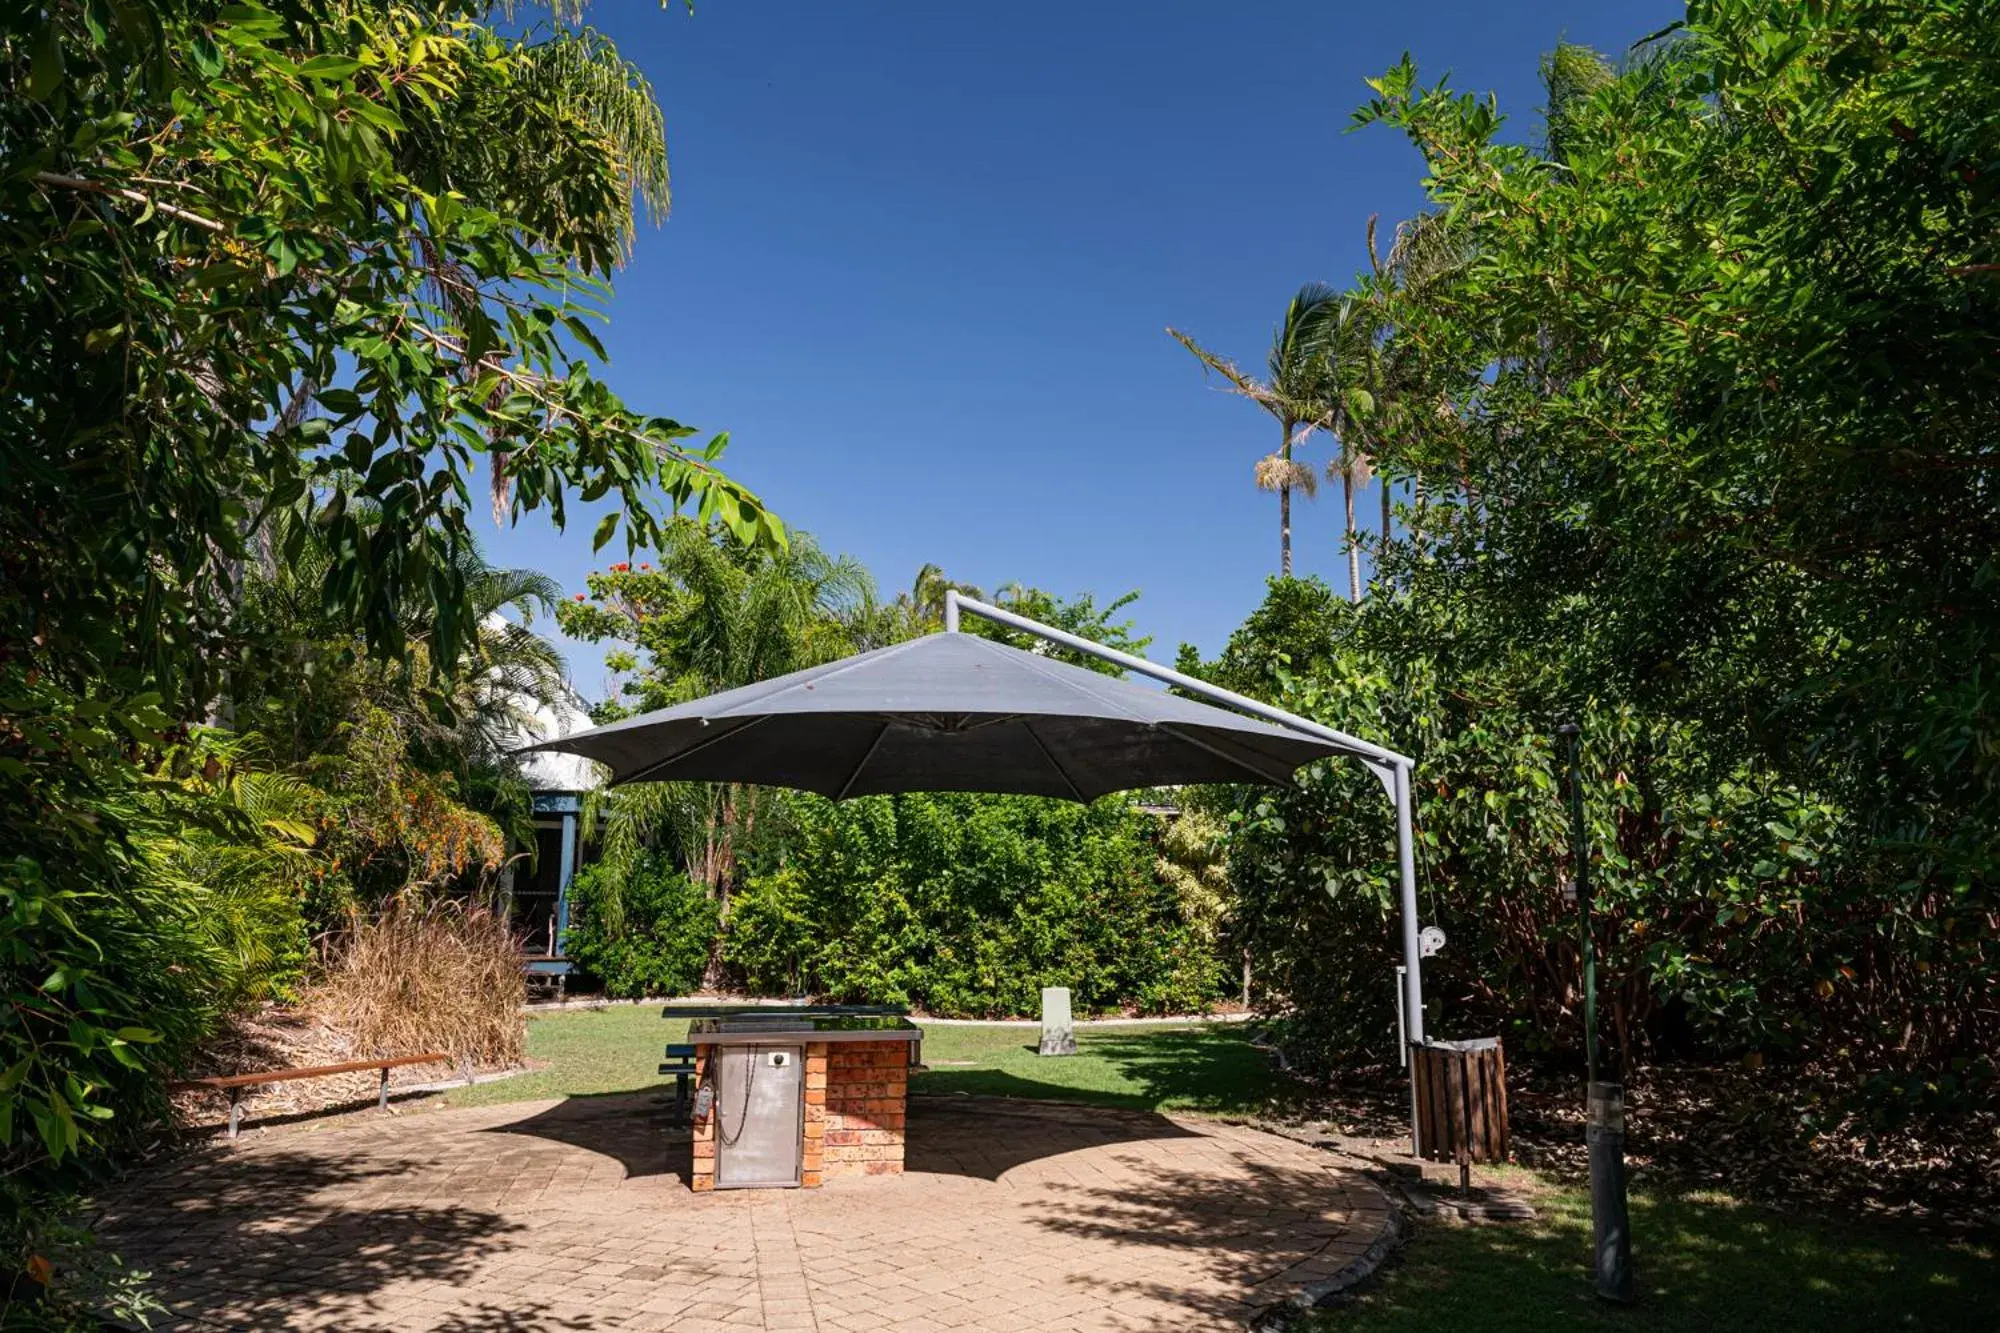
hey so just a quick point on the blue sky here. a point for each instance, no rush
(922, 256)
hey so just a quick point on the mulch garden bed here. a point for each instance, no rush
(1773, 1135)
(278, 1038)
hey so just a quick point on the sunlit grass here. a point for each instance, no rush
(1704, 1261)
(1199, 1067)
(616, 1049)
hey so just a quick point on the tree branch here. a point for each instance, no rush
(130, 196)
(536, 387)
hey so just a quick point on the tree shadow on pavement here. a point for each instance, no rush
(274, 1237)
(635, 1128)
(530, 1318)
(1247, 1239)
(984, 1137)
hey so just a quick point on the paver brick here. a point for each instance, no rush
(579, 1214)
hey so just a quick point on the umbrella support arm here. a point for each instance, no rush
(1393, 769)
(1377, 757)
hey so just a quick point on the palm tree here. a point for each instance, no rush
(1384, 394)
(719, 615)
(923, 605)
(1297, 390)
(1354, 467)
(1358, 415)
(465, 700)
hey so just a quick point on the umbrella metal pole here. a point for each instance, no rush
(1396, 777)
(1413, 994)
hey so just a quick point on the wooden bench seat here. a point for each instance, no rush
(234, 1084)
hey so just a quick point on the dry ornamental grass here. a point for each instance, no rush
(416, 978)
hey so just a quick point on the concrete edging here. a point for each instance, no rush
(1331, 1292)
(1339, 1288)
(680, 1002)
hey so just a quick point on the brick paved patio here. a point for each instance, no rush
(576, 1215)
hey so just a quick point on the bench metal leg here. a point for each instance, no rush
(382, 1099)
(235, 1110)
(680, 1098)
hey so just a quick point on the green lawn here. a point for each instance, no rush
(588, 1050)
(1200, 1067)
(1704, 1262)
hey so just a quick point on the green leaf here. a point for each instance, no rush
(604, 532)
(582, 333)
(329, 67)
(207, 56)
(45, 69)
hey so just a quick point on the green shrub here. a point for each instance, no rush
(642, 930)
(968, 905)
(1733, 911)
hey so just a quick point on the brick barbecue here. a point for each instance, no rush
(855, 1092)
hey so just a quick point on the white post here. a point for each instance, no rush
(1413, 953)
(1406, 871)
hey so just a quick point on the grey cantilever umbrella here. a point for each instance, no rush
(953, 712)
(949, 712)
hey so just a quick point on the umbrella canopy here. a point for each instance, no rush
(948, 712)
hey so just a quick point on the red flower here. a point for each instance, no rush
(579, 597)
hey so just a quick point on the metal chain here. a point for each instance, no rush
(743, 1117)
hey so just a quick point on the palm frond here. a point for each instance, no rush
(1276, 472)
(1305, 341)
(1238, 381)
(1427, 249)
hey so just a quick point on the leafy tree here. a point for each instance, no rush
(1194, 860)
(307, 671)
(1080, 615)
(714, 615)
(1298, 391)
(1713, 361)
(251, 263)
(641, 927)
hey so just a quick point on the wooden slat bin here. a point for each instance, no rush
(1461, 1101)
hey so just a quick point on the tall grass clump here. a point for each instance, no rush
(444, 976)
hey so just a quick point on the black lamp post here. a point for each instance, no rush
(1605, 1102)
